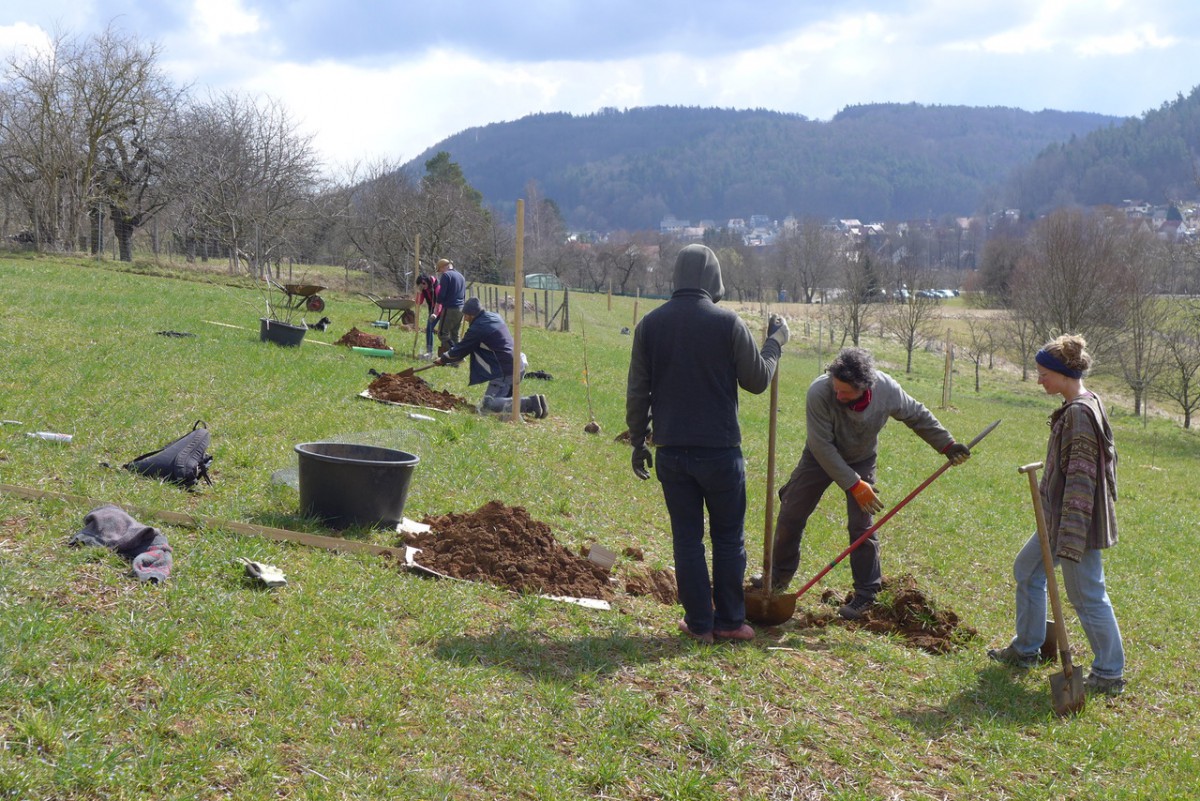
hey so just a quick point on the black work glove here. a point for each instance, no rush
(957, 453)
(641, 460)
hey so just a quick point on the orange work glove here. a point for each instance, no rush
(868, 501)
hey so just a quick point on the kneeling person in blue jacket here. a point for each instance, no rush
(489, 346)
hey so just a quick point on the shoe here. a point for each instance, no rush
(856, 608)
(1013, 658)
(743, 633)
(543, 407)
(706, 637)
(1097, 685)
(427, 356)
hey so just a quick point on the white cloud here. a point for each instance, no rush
(211, 21)
(22, 37)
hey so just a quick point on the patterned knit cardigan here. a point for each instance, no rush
(1079, 486)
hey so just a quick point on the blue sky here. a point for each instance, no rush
(380, 79)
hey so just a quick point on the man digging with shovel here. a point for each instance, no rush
(846, 409)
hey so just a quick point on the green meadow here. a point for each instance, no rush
(360, 680)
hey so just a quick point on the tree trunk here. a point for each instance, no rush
(123, 229)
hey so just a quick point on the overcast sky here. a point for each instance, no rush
(376, 79)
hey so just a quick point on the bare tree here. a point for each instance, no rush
(811, 256)
(980, 344)
(1180, 380)
(86, 128)
(246, 178)
(854, 306)
(913, 315)
(1141, 315)
(379, 208)
(39, 135)
(1067, 279)
(130, 131)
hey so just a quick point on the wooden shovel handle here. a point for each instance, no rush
(769, 517)
(1060, 626)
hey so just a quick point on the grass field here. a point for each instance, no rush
(358, 680)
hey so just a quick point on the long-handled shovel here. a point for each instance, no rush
(415, 370)
(759, 600)
(1066, 688)
(781, 607)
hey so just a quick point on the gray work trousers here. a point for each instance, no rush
(798, 498)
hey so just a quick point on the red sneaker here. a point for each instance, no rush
(743, 632)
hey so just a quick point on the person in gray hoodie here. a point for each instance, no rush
(846, 408)
(688, 361)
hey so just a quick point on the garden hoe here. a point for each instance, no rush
(778, 609)
(759, 600)
(1066, 688)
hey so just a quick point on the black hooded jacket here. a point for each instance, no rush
(689, 358)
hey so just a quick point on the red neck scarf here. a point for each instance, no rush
(863, 402)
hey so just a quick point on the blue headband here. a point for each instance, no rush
(1051, 362)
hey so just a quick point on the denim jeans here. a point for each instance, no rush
(693, 479)
(1084, 584)
(430, 325)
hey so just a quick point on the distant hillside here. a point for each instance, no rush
(629, 169)
(1150, 158)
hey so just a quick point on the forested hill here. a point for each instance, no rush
(1148, 158)
(629, 169)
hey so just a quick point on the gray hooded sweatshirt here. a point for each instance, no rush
(689, 358)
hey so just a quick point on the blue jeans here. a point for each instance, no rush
(693, 479)
(1084, 584)
(430, 325)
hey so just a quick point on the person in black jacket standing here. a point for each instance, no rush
(689, 359)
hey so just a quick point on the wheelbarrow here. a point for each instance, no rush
(393, 308)
(301, 296)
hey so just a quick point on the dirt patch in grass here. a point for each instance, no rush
(360, 339)
(411, 389)
(659, 584)
(503, 546)
(903, 610)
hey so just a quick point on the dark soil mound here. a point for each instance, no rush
(359, 339)
(412, 390)
(659, 584)
(901, 609)
(504, 546)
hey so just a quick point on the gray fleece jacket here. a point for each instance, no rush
(689, 358)
(838, 435)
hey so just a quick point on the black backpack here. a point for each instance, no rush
(183, 461)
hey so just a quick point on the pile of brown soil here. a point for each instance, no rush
(901, 609)
(504, 546)
(658, 584)
(359, 339)
(412, 390)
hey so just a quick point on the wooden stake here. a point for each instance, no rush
(518, 282)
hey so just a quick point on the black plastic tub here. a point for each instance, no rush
(354, 485)
(284, 334)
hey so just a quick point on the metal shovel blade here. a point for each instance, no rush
(1066, 691)
(767, 609)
